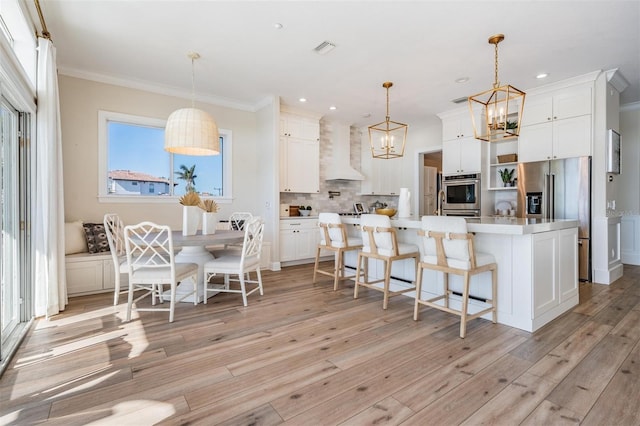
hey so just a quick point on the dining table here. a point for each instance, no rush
(193, 249)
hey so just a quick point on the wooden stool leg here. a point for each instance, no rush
(494, 294)
(315, 267)
(465, 305)
(416, 307)
(387, 279)
(355, 287)
(445, 280)
(338, 271)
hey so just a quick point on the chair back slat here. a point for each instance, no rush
(148, 245)
(238, 220)
(114, 229)
(253, 235)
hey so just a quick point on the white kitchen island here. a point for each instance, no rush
(537, 267)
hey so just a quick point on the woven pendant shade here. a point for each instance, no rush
(191, 131)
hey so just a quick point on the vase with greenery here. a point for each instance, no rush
(209, 216)
(507, 176)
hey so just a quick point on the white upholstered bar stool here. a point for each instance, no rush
(449, 248)
(334, 238)
(380, 242)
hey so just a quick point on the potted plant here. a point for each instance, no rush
(305, 211)
(209, 216)
(507, 176)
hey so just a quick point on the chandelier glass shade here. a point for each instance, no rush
(387, 139)
(496, 113)
(191, 131)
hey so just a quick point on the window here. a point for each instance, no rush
(134, 165)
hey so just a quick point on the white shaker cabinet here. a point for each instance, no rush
(461, 152)
(299, 154)
(557, 125)
(298, 239)
(461, 156)
(555, 271)
(90, 273)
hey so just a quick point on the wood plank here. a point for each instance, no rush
(548, 413)
(616, 404)
(582, 387)
(462, 402)
(386, 412)
(559, 362)
(514, 403)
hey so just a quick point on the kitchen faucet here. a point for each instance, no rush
(439, 201)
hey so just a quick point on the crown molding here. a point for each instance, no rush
(617, 80)
(159, 89)
(633, 106)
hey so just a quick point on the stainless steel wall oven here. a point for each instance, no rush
(461, 195)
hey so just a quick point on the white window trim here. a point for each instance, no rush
(104, 197)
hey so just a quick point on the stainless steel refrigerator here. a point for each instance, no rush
(559, 189)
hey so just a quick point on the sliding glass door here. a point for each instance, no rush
(14, 254)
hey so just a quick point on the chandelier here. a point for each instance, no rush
(191, 131)
(497, 113)
(387, 139)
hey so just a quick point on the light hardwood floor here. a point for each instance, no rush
(305, 355)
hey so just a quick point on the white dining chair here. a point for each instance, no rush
(151, 264)
(448, 248)
(238, 262)
(114, 229)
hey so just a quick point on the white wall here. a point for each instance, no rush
(629, 184)
(629, 179)
(80, 101)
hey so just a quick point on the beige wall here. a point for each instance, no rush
(80, 101)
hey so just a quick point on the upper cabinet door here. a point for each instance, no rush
(572, 102)
(300, 127)
(457, 127)
(537, 109)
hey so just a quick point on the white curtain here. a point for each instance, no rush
(48, 203)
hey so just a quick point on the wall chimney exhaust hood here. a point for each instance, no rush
(339, 167)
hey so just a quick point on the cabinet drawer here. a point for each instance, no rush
(298, 224)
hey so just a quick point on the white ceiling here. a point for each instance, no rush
(422, 46)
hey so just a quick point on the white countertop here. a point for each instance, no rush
(491, 225)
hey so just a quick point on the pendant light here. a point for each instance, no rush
(387, 139)
(191, 131)
(497, 113)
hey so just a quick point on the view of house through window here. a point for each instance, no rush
(138, 164)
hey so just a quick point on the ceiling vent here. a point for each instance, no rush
(460, 100)
(324, 48)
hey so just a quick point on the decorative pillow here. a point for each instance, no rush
(96, 237)
(74, 239)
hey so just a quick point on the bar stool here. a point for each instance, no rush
(334, 238)
(379, 242)
(449, 248)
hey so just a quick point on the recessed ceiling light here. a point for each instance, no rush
(277, 26)
(462, 79)
(303, 99)
(333, 108)
(542, 75)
